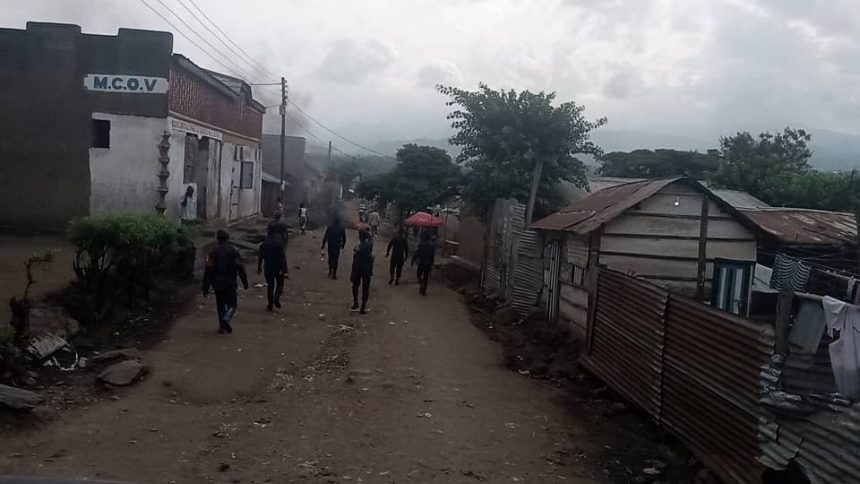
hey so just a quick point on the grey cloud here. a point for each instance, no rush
(623, 83)
(439, 73)
(351, 62)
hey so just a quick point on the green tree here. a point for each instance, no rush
(761, 166)
(507, 136)
(424, 176)
(658, 163)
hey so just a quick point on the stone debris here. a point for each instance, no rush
(109, 356)
(45, 345)
(19, 399)
(123, 373)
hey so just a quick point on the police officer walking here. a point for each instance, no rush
(223, 266)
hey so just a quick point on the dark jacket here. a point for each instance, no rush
(273, 254)
(335, 237)
(425, 253)
(223, 265)
(398, 248)
(281, 228)
(362, 259)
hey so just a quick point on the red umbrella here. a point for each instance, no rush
(424, 219)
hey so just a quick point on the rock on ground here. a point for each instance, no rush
(123, 373)
(108, 356)
(19, 399)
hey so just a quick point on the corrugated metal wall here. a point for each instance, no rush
(711, 389)
(496, 277)
(692, 368)
(821, 433)
(527, 288)
(627, 338)
(514, 269)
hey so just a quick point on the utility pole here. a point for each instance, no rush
(283, 135)
(329, 154)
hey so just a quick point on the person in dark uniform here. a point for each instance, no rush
(362, 270)
(273, 255)
(280, 226)
(335, 239)
(425, 254)
(398, 249)
(223, 265)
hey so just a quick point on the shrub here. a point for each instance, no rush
(118, 254)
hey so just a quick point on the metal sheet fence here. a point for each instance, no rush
(527, 291)
(694, 369)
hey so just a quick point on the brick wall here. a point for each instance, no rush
(195, 97)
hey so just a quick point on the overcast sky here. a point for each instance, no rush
(368, 68)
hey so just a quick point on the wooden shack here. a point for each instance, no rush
(674, 232)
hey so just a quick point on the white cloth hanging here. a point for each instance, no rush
(844, 351)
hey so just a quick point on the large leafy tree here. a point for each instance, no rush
(507, 137)
(762, 165)
(424, 176)
(657, 164)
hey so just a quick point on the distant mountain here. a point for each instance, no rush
(835, 151)
(831, 150)
(391, 147)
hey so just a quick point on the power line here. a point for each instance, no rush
(208, 29)
(236, 68)
(338, 135)
(227, 37)
(322, 141)
(180, 32)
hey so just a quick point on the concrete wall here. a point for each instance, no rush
(47, 112)
(124, 177)
(243, 202)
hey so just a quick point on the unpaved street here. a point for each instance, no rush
(411, 392)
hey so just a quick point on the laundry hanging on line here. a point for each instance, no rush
(790, 273)
(843, 325)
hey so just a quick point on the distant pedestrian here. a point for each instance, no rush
(223, 266)
(362, 270)
(273, 256)
(425, 254)
(188, 206)
(373, 221)
(279, 206)
(303, 217)
(335, 239)
(398, 249)
(280, 227)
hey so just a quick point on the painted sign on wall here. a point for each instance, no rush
(187, 127)
(125, 84)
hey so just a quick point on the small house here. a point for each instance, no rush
(673, 232)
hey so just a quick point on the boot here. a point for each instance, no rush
(354, 306)
(363, 309)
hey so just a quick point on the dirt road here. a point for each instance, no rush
(411, 392)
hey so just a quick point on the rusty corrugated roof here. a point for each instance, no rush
(805, 227)
(602, 206)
